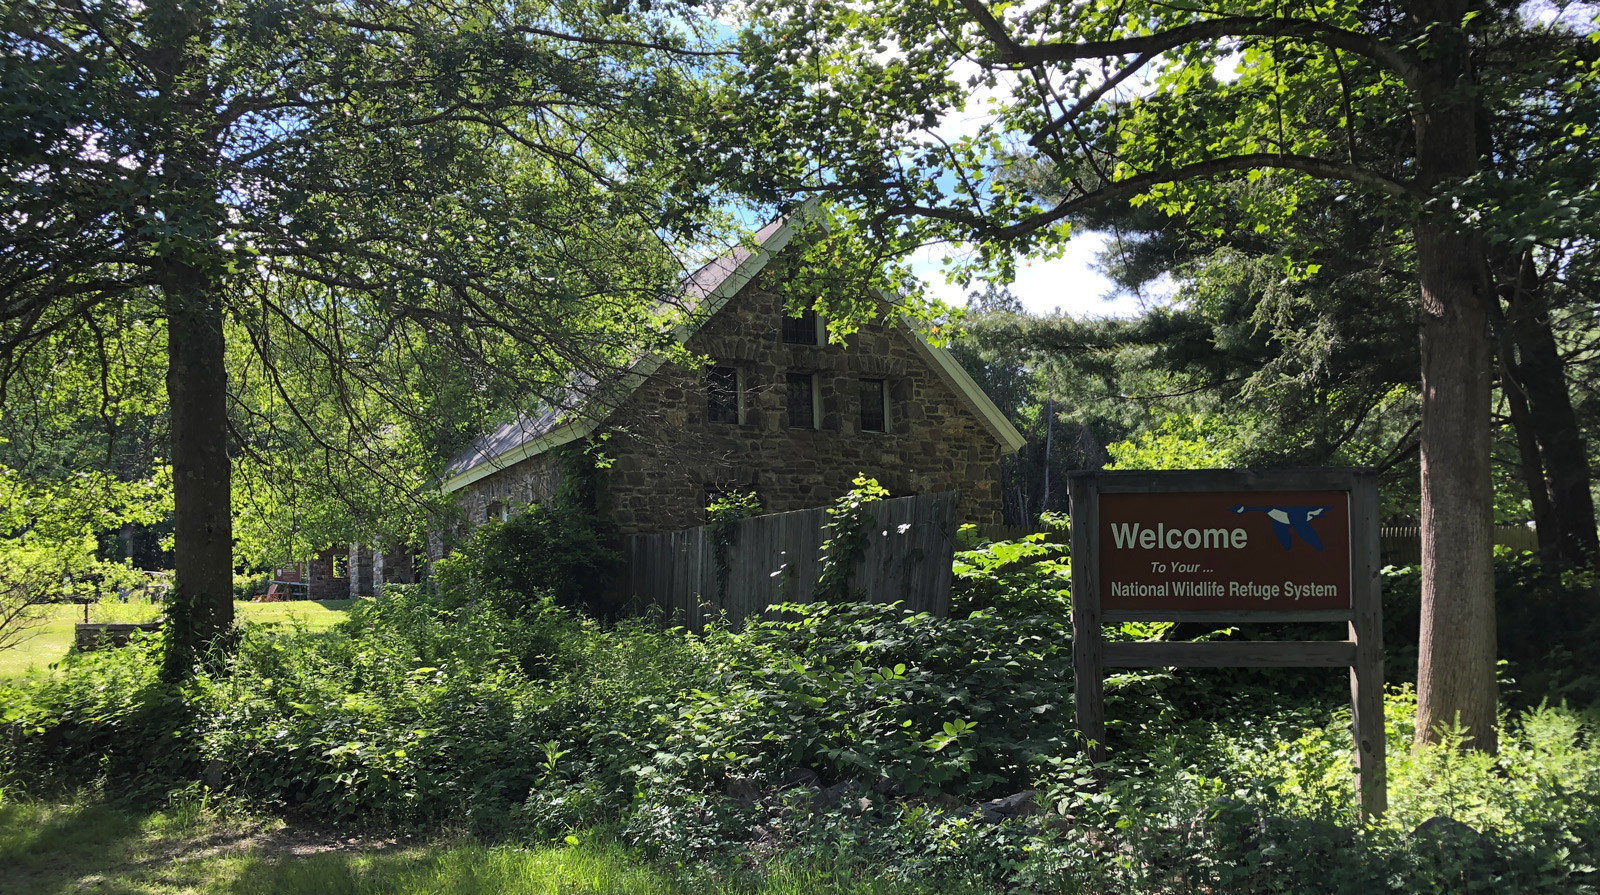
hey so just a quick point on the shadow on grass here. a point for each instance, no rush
(587, 869)
(58, 849)
(54, 848)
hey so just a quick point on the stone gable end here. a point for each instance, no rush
(669, 456)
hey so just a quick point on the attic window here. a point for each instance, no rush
(802, 400)
(801, 330)
(722, 395)
(874, 406)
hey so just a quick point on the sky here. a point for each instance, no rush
(1069, 284)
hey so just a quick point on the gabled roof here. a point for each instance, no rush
(707, 291)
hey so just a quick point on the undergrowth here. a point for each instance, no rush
(838, 735)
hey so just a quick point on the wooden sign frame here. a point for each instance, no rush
(1362, 653)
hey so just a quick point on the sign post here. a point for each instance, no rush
(1231, 547)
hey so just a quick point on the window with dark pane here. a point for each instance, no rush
(802, 401)
(801, 330)
(722, 394)
(874, 412)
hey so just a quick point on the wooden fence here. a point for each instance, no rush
(777, 559)
(1401, 545)
(992, 532)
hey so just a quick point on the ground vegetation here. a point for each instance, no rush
(850, 744)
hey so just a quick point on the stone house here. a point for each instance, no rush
(327, 576)
(784, 410)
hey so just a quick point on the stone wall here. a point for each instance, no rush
(398, 568)
(531, 481)
(320, 581)
(668, 457)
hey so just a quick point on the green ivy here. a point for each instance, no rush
(850, 523)
(723, 516)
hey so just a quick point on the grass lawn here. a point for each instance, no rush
(50, 641)
(53, 848)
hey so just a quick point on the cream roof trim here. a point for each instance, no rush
(951, 371)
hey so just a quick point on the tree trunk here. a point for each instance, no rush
(1049, 436)
(1542, 375)
(201, 473)
(1530, 466)
(1456, 668)
(189, 274)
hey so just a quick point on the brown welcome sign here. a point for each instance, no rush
(1231, 546)
(1241, 550)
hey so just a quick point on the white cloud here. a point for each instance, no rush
(1069, 284)
(1582, 17)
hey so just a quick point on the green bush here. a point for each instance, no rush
(419, 709)
(1029, 576)
(554, 549)
(250, 586)
(866, 692)
(1267, 806)
(105, 719)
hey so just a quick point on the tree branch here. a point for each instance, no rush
(1010, 52)
(1086, 102)
(1132, 186)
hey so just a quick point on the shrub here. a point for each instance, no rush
(1029, 576)
(250, 586)
(1268, 806)
(104, 719)
(425, 711)
(553, 549)
(866, 692)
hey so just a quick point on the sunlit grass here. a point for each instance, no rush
(51, 848)
(50, 641)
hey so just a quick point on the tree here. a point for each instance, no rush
(857, 96)
(77, 467)
(1340, 245)
(1342, 321)
(495, 187)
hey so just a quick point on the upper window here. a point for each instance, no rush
(722, 395)
(801, 330)
(874, 406)
(802, 401)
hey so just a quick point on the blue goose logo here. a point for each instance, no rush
(1290, 521)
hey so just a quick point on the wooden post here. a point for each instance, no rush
(1088, 644)
(1366, 630)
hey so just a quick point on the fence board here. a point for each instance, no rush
(1401, 545)
(776, 559)
(993, 532)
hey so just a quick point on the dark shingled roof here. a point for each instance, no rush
(696, 287)
(509, 436)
